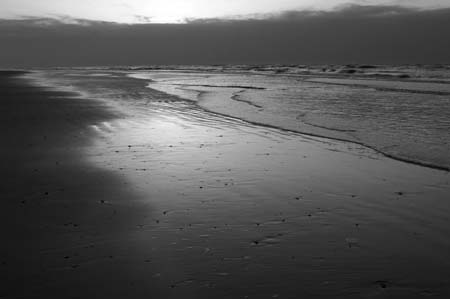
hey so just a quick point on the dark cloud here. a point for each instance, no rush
(57, 20)
(340, 12)
(350, 34)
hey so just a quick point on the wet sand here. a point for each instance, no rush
(176, 202)
(54, 215)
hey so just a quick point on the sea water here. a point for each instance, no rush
(403, 112)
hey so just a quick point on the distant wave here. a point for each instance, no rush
(223, 86)
(327, 127)
(431, 92)
(236, 97)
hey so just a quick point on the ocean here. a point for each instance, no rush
(400, 111)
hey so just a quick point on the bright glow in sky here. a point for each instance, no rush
(175, 11)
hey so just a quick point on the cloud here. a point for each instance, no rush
(371, 11)
(346, 11)
(55, 21)
(349, 34)
(142, 19)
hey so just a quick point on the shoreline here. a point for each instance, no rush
(391, 156)
(356, 142)
(390, 134)
(223, 103)
(397, 157)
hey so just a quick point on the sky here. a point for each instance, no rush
(177, 11)
(45, 33)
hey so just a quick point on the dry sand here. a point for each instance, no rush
(180, 203)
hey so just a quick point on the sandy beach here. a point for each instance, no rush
(167, 200)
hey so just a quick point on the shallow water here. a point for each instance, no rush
(408, 119)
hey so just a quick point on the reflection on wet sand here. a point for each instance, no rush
(176, 202)
(237, 205)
